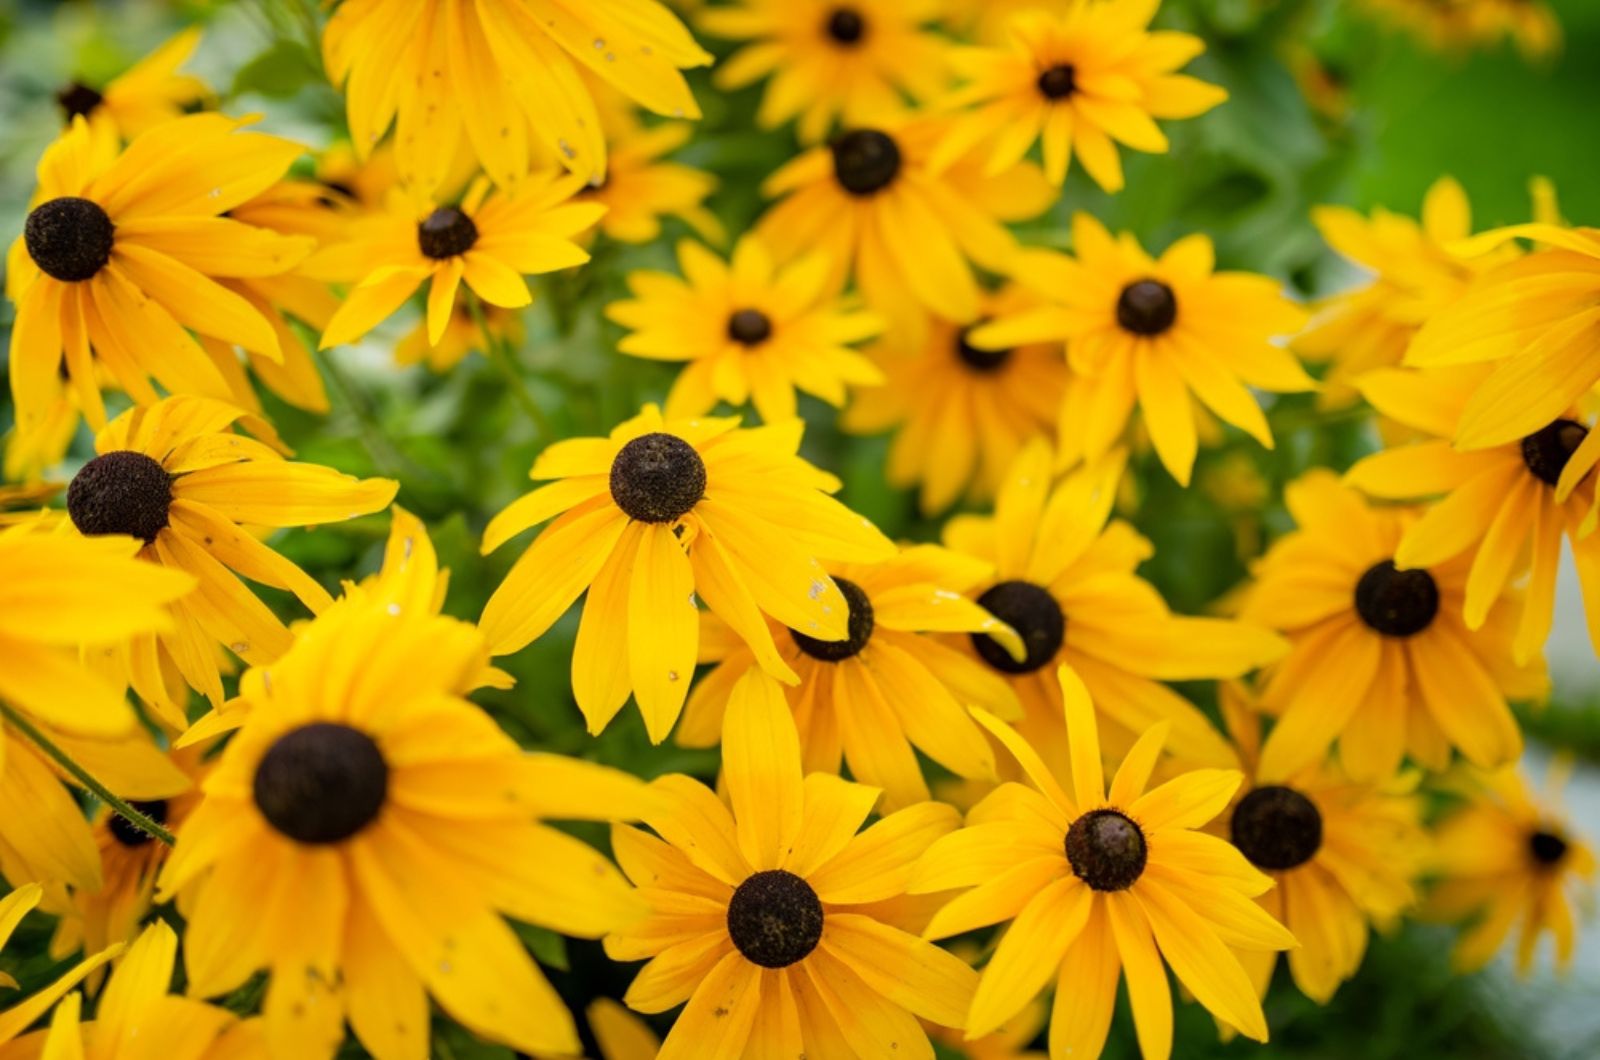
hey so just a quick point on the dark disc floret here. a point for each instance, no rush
(1147, 307)
(865, 161)
(657, 478)
(1276, 828)
(129, 834)
(1547, 848)
(1397, 603)
(749, 327)
(846, 26)
(445, 233)
(69, 238)
(1034, 614)
(78, 100)
(1548, 451)
(861, 626)
(775, 919)
(120, 492)
(979, 360)
(1106, 850)
(1059, 82)
(321, 783)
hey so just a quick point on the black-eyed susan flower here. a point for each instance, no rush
(1505, 508)
(642, 186)
(178, 478)
(1162, 333)
(872, 698)
(871, 202)
(146, 94)
(366, 829)
(960, 415)
(120, 257)
(462, 336)
(826, 61)
(620, 1034)
(1079, 81)
(1065, 582)
(767, 911)
(17, 1018)
(1456, 25)
(1343, 855)
(501, 78)
(1511, 863)
(1381, 658)
(750, 329)
(490, 241)
(1100, 884)
(649, 519)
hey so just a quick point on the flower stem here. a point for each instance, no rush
(21, 723)
(498, 353)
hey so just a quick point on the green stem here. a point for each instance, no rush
(500, 355)
(21, 723)
(385, 454)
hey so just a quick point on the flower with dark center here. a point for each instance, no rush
(1547, 452)
(775, 919)
(865, 161)
(657, 478)
(445, 233)
(846, 26)
(1034, 614)
(1147, 307)
(69, 238)
(129, 834)
(861, 626)
(78, 100)
(321, 783)
(1548, 848)
(1276, 828)
(984, 361)
(1397, 603)
(749, 327)
(120, 492)
(1059, 82)
(1106, 850)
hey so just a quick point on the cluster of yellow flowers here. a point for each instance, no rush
(342, 817)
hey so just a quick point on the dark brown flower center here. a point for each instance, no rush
(1397, 603)
(865, 161)
(1034, 614)
(981, 361)
(1549, 849)
(749, 327)
(775, 919)
(69, 238)
(861, 626)
(1147, 307)
(1276, 828)
(445, 233)
(846, 26)
(657, 478)
(78, 100)
(1059, 82)
(1106, 850)
(121, 492)
(1547, 452)
(321, 783)
(129, 834)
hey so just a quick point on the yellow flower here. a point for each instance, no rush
(1509, 857)
(502, 77)
(363, 833)
(750, 329)
(1010, 1042)
(148, 93)
(1093, 882)
(1381, 658)
(1341, 853)
(650, 518)
(1154, 331)
(1079, 81)
(641, 186)
(32, 453)
(1454, 25)
(887, 689)
(122, 252)
(175, 476)
(872, 204)
(491, 241)
(1506, 508)
(855, 62)
(19, 1017)
(461, 337)
(1065, 583)
(768, 912)
(960, 414)
(1417, 272)
(54, 596)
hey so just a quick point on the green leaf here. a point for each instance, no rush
(278, 73)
